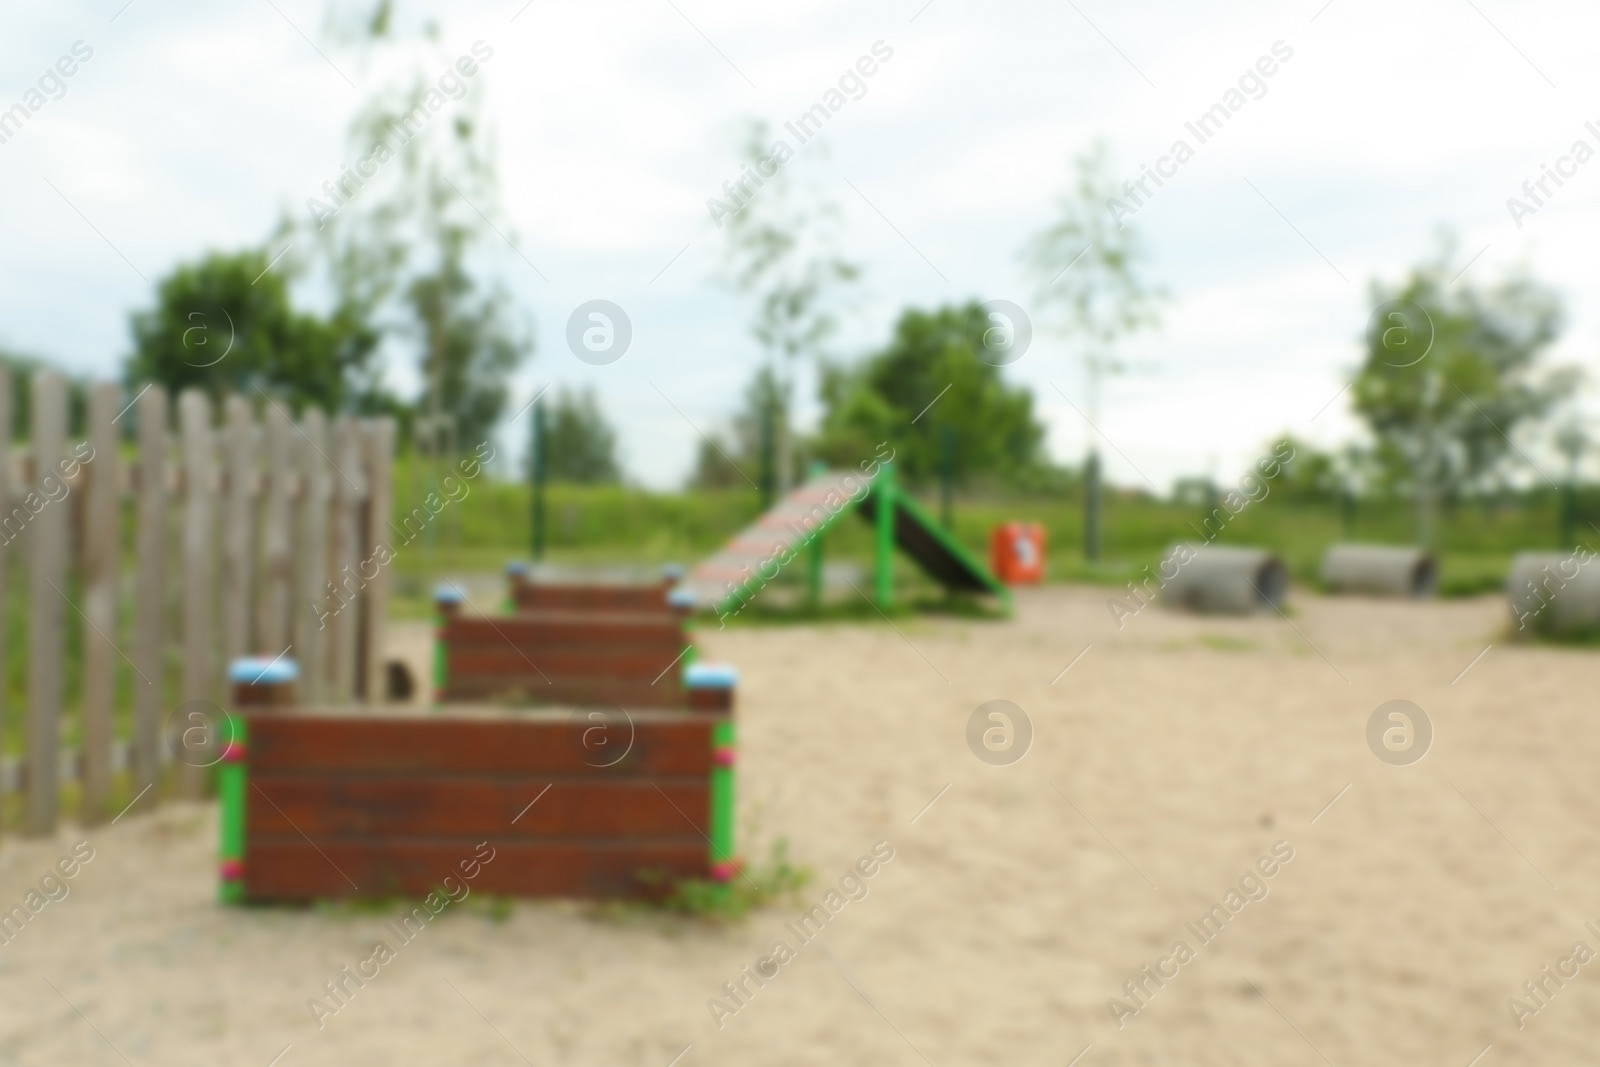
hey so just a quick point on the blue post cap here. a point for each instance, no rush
(516, 566)
(710, 676)
(447, 594)
(259, 670)
(672, 572)
(680, 598)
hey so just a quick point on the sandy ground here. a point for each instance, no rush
(1166, 761)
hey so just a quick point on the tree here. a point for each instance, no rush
(1088, 265)
(1451, 373)
(580, 445)
(727, 461)
(225, 323)
(780, 254)
(403, 234)
(931, 360)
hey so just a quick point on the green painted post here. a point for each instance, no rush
(446, 604)
(231, 784)
(884, 488)
(722, 750)
(814, 570)
(814, 553)
(1091, 507)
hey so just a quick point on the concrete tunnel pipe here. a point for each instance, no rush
(1213, 579)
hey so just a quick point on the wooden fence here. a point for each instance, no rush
(250, 535)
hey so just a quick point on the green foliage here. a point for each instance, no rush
(225, 323)
(996, 437)
(404, 246)
(779, 254)
(580, 445)
(1087, 266)
(1444, 416)
(738, 457)
(22, 369)
(775, 880)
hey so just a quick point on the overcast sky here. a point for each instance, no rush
(195, 126)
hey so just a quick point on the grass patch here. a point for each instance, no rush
(1224, 643)
(777, 879)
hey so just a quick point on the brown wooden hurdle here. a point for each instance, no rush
(584, 645)
(549, 803)
(526, 594)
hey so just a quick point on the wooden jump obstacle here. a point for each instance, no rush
(524, 594)
(568, 803)
(569, 644)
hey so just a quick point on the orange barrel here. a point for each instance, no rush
(1016, 553)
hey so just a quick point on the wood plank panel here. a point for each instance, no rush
(600, 663)
(101, 558)
(238, 527)
(150, 589)
(47, 601)
(10, 527)
(378, 440)
(532, 689)
(566, 630)
(200, 678)
(277, 533)
(661, 747)
(297, 870)
(315, 595)
(331, 807)
(643, 599)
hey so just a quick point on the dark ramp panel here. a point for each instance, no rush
(934, 550)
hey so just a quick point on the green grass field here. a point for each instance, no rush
(611, 525)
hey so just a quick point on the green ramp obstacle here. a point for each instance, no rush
(797, 525)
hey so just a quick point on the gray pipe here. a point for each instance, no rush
(1214, 579)
(1554, 592)
(1384, 570)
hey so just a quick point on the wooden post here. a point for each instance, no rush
(199, 679)
(312, 606)
(276, 538)
(47, 601)
(239, 456)
(349, 493)
(380, 436)
(8, 530)
(150, 589)
(101, 559)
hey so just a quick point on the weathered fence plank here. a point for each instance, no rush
(199, 679)
(309, 613)
(150, 590)
(7, 533)
(99, 547)
(239, 459)
(349, 494)
(47, 600)
(277, 572)
(379, 442)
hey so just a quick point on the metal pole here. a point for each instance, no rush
(538, 472)
(1091, 507)
(947, 475)
(884, 488)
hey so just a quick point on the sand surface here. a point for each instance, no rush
(1172, 755)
